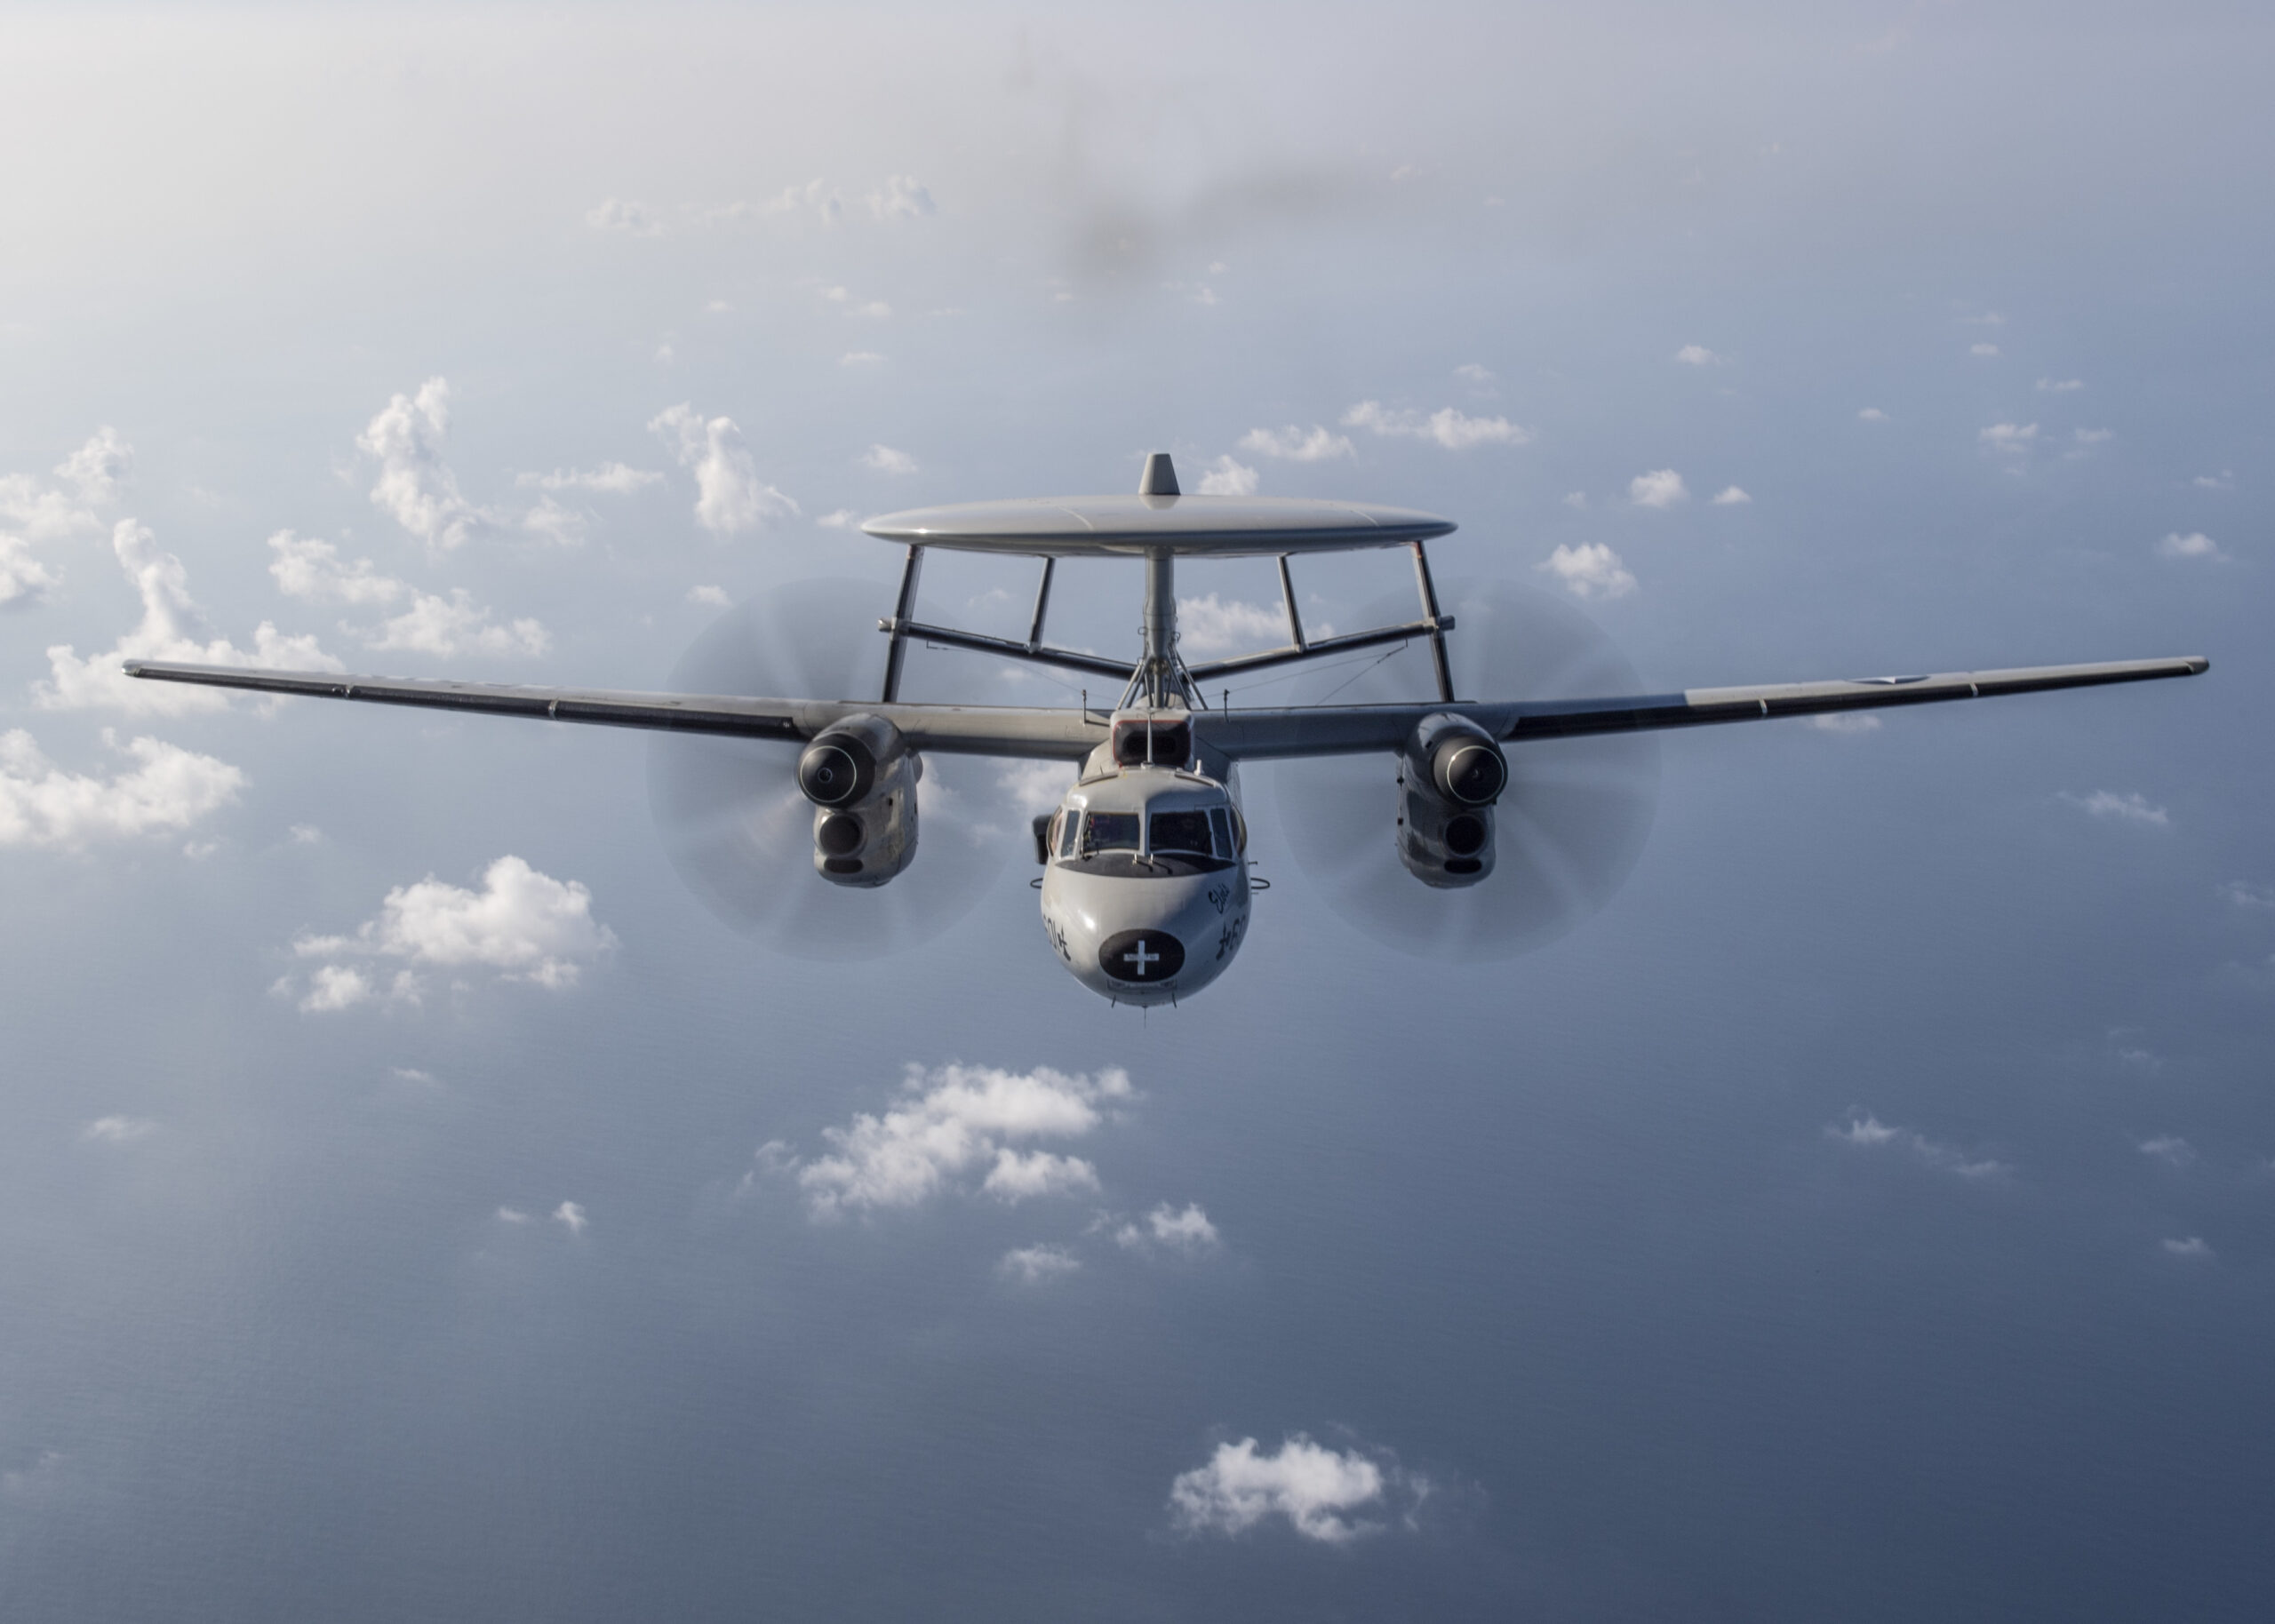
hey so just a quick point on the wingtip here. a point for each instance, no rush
(2197, 665)
(134, 668)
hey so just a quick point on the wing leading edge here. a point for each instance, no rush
(1060, 733)
(987, 730)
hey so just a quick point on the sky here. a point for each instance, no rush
(413, 1202)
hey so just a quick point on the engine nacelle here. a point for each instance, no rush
(1451, 774)
(861, 777)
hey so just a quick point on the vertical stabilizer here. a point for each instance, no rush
(1160, 477)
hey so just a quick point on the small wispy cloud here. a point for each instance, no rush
(1850, 723)
(859, 358)
(1037, 1265)
(712, 597)
(2092, 436)
(570, 1217)
(1983, 351)
(2242, 894)
(2060, 386)
(1471, 372)
(1868, 1132)
(2170, 1148)
(626, 218)
(610, 478)
(1697, 355)
(2193, 1249)
(1871, 414)
(2225, 480)
(1731, 496)
(1294, 444)
(2131, 807)
(1185, 1230)
(839, 519)
(2008, 439)
(885, 459)
(117, 1130)
(1448, 426)
(2195, 544)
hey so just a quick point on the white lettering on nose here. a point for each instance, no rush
(1141, 957)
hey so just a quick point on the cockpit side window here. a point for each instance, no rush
(1110, 831)
(1070, 822)
(1222, 824)
(1182, 832)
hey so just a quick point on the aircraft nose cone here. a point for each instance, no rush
(1141, 956)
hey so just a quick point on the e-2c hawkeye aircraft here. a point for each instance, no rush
(1469, 825)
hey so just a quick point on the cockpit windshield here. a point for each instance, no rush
(1182, 832)
(1110, 831)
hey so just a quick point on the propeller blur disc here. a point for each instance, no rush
(1568, 829)
(739, 832)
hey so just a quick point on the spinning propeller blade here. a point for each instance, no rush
(1569, 826)
(739, 832)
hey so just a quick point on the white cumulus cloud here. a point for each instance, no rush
(1322, 1492)
(885, 459)
(525, 925)
(729, 495)
(1213, 626)
(1697, 355)
(415, 487)
(571, 1216)
(954, 1122)
(311, 568)
(1294, 444)
(1227, 478)
(172, 627)
(1589, 571)
(167, 789)
(455, 625)
(1660, 487)
(1448, 426)
(1730, 496)
(31, 517)
(2008, 439)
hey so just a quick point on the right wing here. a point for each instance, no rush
(957, 729)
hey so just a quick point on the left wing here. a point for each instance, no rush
(1351, 729)
(1066, 735)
